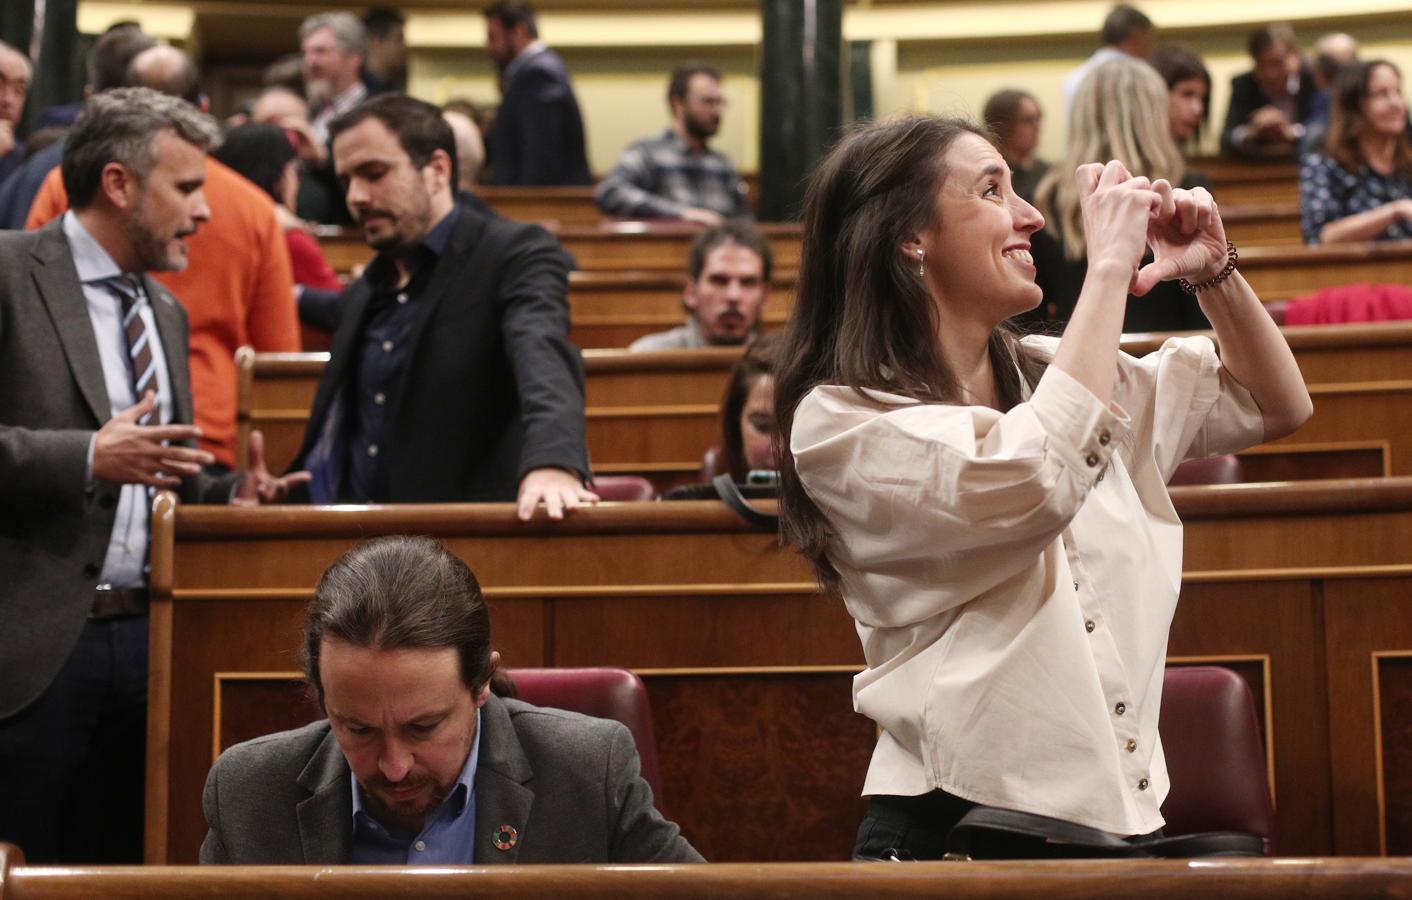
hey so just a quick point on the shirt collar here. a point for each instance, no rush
(91, 261)
(459, 796)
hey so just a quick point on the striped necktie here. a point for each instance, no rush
(128, 290)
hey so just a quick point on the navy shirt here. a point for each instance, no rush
(1329, 192)
(383, 356)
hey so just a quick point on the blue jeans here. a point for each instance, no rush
(72, 763)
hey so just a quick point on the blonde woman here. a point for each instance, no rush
(1120, 112)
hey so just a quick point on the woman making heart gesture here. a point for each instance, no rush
(993, 511)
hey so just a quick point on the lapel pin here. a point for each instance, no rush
(505, 837)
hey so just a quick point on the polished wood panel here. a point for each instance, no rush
(687, 591)
(564, 205)
(1262, 225)
(1255, 879)
(611, 246)
(1392, 675)
(1283, 273)
(1240, 182)
(656, 413)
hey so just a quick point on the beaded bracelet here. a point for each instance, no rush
(1232, 256)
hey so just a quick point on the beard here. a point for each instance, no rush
(318, 92)
(702, 127)
(152, 250)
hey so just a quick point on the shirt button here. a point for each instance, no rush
(1120, 708)
(420, 845)
(1104, 438)
(1091, 459)
(1142, 785)
(1130, 746)
(387, 348)
(1076, 585)
(379, 398)
(402, 298)
(372, 449)
(1089, 626)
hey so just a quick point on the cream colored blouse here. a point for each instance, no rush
(1013, 577)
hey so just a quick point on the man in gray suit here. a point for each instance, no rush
(95, 413)
(418, 762)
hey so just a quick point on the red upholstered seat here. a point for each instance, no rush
(1215, 757)
(1216, 470)
(602, 692)
(624, 488)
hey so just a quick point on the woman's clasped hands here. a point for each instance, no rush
(1123, 214)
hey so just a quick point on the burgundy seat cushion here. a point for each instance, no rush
(624, 488)
(1215, 756)
(601, 692)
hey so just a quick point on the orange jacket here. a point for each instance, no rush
(237, 289)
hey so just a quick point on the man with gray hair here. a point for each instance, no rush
(95, 413)
(15, 75)
(333, 46)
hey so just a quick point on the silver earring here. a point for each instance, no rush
(921, 262)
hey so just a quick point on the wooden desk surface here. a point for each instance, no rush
(1256, 879)
(1300, 588)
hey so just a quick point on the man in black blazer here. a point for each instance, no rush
(537, 137)
(95, 413)
(1271, 104)
(451, 377)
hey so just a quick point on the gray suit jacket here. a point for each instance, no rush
(569, 784)
(54, 528)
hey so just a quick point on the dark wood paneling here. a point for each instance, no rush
(1394, 676)
(765, 767)
(1364, 617)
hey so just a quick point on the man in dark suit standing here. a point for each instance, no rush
(451, 376)
(537, 137)
(95, 413)
(418, 762)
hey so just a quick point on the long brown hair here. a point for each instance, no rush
(1347, 123)
(757, 362)
(862, 317)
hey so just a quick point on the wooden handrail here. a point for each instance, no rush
(1054, 880)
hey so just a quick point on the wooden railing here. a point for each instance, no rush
(1256, 879)
(655, 414)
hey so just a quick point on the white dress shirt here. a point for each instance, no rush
(1013, 577)
(125, 563)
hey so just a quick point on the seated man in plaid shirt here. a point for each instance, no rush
(675, 175)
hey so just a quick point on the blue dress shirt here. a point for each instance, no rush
(447, 838)
(125, 563)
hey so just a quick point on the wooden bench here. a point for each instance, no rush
(1263, 224)
(1239, 182)
(613, 309)
(1286, 879)
(655, 414)
(566, 205)
(1301, 588)
(610, 246)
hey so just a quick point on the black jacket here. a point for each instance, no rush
(492, 387)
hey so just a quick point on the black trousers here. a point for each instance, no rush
(72, 763)
(908, 827)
